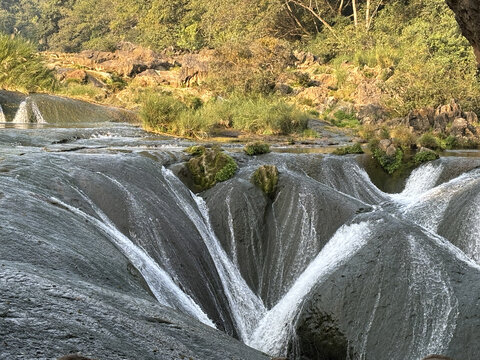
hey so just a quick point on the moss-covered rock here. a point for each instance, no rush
(266, 177)
(256, 148)
(209, 167)
(352, 149)
(195, 150)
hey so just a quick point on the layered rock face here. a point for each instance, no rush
(467, 13)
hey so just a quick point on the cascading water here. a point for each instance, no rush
(331, 264)
(162, 286)
(21, 117)
(247, 308)
(2, 115)
(275, 328)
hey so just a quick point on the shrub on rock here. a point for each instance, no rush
(266, 177)
(256, 148)
(211, 166)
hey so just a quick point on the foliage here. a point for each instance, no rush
(256, 148)
(430, 141)
(352, 149)
(86, 92)
(195, 150)
(210, 167)
(389, 163)
(424, 156)
(266, 178)
(159, 112)
(21, 68)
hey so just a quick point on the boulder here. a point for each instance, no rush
(461, 128)
(80, 76)
(421, 120)
(195, 67)
(371, 113)
(467, 14)
(384, 144)
(210, 167)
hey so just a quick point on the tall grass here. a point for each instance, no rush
(21, 68)
(256, 115)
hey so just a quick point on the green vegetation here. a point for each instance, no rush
(258, 115)
(344, 119)
(390, 163)
(256, 148)
(424, 156)
(352, 149)
(210, 166)
(21, 68)
(266, 178)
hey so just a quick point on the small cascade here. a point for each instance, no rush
(21, 117)
(246, 307)
(275, 328)
(160, 283)
(37, 114)
(2, 115)
(28, 111)
(420, 181)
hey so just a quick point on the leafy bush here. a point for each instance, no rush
(160, 111)
(21, 68)
(352, 149)
(344, 119)
(424, 156)
(430, 141)
(256, 148)
(389, 163)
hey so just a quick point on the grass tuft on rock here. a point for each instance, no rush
(256, 148)
(266, 178)
(211, 166)
(195, 150)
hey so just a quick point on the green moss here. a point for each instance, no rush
(256, 148)
(352, 149)
(424, 156)
(210, 167)
(266, 177)
(195, 150)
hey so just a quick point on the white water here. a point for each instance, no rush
(428, 208)
(246, 307)
(275, 328)
(38, 115)
(21, 117)
(162, 286)
(2, 115)
(420, 181)
(431, 304)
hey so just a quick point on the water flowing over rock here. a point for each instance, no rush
(107, 254)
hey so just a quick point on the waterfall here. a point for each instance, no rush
(21, 117)
(38, 115)
(275, 328)
(2, 115)
(246, 307)
(160, 283)
(420, 181)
